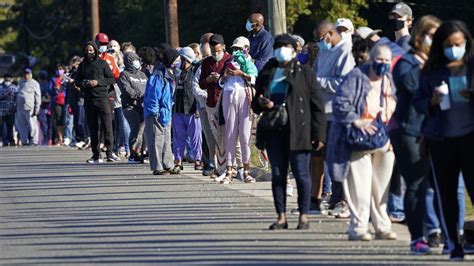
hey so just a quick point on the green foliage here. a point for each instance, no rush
(295, 8)
(334, 9)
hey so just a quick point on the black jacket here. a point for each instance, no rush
(96, 70)
(306, 115)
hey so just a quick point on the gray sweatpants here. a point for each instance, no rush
(27, 126)
(136, 129)
(158, 141)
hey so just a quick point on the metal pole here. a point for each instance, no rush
(95, 22)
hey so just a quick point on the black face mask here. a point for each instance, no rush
(397, 24)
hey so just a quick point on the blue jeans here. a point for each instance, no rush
(279, 156)
(68, 124)
(122, 130)
(431, 218)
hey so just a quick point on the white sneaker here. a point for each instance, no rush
(220, 178)
(289, 190)
(80, 144)
(95, 161)
(360, 237)
(67, 141)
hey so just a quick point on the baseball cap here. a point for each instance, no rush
(241, 42)
(346, 23)
(402, 9)
(216, 39)
(366, 32)
(299, 39)
(28, 70)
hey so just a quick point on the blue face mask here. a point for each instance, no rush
(380, 69)
(303, 58)
(455, 53)
(323, 45)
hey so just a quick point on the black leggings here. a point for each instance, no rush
(449, 157)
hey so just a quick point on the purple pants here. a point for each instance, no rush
(186, 125)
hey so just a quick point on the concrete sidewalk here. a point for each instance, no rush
(56, 209)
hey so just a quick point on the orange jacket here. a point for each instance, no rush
(111, 61)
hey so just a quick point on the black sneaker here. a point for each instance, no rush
(457, 254)
(314, 206)
(135, 158)
(208, 172)
(161, 172)
(434, 239)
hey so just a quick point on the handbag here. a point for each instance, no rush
(274, 119)
(363, 142)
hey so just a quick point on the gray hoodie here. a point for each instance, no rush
(132, 83)
(29, 96)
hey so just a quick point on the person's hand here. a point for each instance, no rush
(437, 98)
(93, 83)
(365, 126)
(236, 72)
(265, 102)
(317, 145)
(77, 88)
(196, 115)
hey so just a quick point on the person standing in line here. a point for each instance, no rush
(406, 137)
(94, 78)
(446, 100)
(366, 95)
(284, 81)
(401, 20)
(261, 40)
(27, 108)
(158, 104)
(8, 94)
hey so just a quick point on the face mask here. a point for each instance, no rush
(103, 49)
(323, 45)
(249, 26)
(218, 57)
(455, 53)
(136, 64)
(177, 65)
(346, 35)
(397, 24)
(303, 58)
(7, 83)
(380, 69)
(284, 54)
(90, 55)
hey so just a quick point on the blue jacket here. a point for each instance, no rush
(158, 99)
(348, 105)
(261, 47)
(433, 126)
(406, 76)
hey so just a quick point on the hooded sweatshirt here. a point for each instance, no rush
(132, 82)
(96, 69)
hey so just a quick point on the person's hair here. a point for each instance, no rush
(421, 28)
(147, 54)
(127, 45)
(376, 50)
(436, 58)
(75, 59)
(360, 45)
(194, 45)
(313, 50)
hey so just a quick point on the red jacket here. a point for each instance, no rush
(213, 90)
(111, 61)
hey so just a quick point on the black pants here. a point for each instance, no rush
(99, 110)
(279, 156)
(449, 157)
(10, 121)
(415, 169)
(81, 129)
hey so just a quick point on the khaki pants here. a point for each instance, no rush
(366, 189)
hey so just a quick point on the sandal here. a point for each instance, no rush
(176, 170)
(248, 178)
(229, 176)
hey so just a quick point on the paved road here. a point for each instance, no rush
(55, 209)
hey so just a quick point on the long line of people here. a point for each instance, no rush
(372, 129)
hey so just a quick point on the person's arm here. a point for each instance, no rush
(330, 84)
(37, 91)
(265, 53)
(108, 78)
(78, 78)
(199, 94)
(126, 87)
(259, 92)
(343, 104)
(406, 76)
(422, 99)
(318, 114)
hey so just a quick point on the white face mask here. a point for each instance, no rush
(284, 54)
(218, 57)
(102, 48)
(7, 83)
(249, 26)
(136, 64)
(346, 35)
